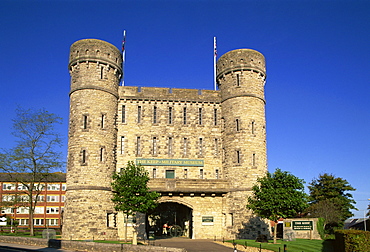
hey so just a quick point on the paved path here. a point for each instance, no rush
(7, 247)
(193, 245)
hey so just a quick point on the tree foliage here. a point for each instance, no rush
(131, 193)
(278, 195)
(35, 155)
(328, 189)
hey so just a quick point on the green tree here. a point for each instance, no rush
(131, 193)
(329, 188)
(278, 195)
(34, 157)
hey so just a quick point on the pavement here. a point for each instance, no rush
(191, 245)
(11, 247)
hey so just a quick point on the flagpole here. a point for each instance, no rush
(214, 62)
(123, 57)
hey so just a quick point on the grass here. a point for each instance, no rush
(298, 245)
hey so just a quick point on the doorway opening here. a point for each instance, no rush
(170, 219)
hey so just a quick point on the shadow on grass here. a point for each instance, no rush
(328, 246)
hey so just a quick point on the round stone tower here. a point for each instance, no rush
(241, 77)
(95, 68)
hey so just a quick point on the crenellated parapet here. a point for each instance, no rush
(169, 94)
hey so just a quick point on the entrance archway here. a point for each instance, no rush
(177, 217)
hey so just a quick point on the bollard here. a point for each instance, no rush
(245, 244)
(285, 249)
(260, 247)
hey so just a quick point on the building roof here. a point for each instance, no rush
(13, 177)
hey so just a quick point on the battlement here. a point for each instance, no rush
(169, 94)
(241, 60)
(94, 50)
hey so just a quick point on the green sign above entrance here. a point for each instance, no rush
(170, 162)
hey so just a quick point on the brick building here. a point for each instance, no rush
(50, 206)
(204, 149)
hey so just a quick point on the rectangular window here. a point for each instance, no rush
(23, 210)
(200, 146)
(64, 187)
(139, 114)
(215, 117)
(138, 147)
(8, 186)
(201, 174)
(7, 210)
(38, 222)
(170, 174)
(154, 173)
(22, 187)
(62, 198)
(53, 187)
(170, 142)
(23, 222)
(52, 198)
(39, 210)
(123, 114)
(184, 115)
(154, 146)
(41, 198)
(122, 145)
(170, 115)
(155, 114)
(52, 210)
(200, 116)
(52, 222)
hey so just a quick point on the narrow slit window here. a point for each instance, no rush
(184, 115)
(238, 157)
(217, 174)
(123, 114)
(215, 117)
(138, 152)
(185, 146)
(253, 159)
(101, 154)
(237, 124)
(85, 121)
(101, 72)
(201, 174)
(102, 121)
(216, 147)
(170, 115)
(170, 146)
(185, 173)
(139, 114)
(154, 172)
(200, 116)
(154, 145)
(155, 114)
(122, 145)
(200, 146)
(84, 156)
(253, 127)
(238, 80)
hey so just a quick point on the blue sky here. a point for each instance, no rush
(317, 57)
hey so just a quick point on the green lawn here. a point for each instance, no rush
(298, 245)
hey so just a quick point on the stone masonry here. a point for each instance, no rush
(203, 149)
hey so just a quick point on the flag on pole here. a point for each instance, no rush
(214, 62)
(124, 41)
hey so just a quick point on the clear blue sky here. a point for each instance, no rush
(317, 55)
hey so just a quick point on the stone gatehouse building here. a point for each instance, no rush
(203, 149)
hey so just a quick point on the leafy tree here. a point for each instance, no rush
(33, 158)
(327, 210)
(328, 188)
(131, 193)
(278, 195)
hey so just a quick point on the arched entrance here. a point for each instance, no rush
(177, 217)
